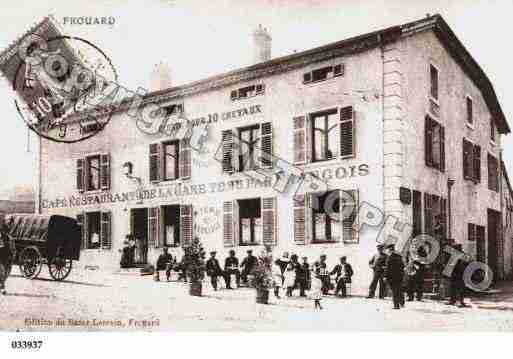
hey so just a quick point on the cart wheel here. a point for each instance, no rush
(30, 262)
(59, 267)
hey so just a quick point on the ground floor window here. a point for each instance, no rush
(326, 210)
(171, 225)
(93, 230)
(250, 221)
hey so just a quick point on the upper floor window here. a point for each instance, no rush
(329, 134)
(247, 92)
(434, 144)
(246, 148)
(433, 72)
(493, 131)
(471, 161)
(173, 109)
(171, 160)
(324, 130)
(470, 110)
(323, 73)
(248, 140)
(493, 173)
(93, 172)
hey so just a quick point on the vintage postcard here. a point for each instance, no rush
(255, 166)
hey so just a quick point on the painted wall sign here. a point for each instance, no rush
(173, 124)
(180, 190)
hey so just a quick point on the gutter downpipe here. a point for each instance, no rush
(382, 50)
(501, 201)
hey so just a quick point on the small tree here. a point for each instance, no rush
(262, 273)
(194, 260)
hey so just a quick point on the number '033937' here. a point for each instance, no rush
(26, 344)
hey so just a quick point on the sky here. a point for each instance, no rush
(201, 38)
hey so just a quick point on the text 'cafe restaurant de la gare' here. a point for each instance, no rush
(353, 113)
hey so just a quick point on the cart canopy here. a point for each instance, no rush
(53, 232)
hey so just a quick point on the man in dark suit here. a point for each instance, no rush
(6, 256)
(213, 269)
(415, 275)
(231, 266)
(378, 263)
(303, 276)
(343, 272)
(321, 269)
(248, 264)
(457, 285)
(394, 274)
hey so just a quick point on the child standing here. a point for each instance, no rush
(277, 279)
(316, 289)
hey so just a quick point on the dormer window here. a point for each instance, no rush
(323, 73)
(173, 109)
(247, 92)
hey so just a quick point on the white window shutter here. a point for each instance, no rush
(308, 218)
(266, 145)
(347, 132)
(80, 175)
(300, 140)
(81, 220)
(350, 223)
(105, 230)
(228, 224)
(299, 205)
(153, 227)
(268, 210)
(227, 151)
(155, 162)
(236, 222)
(105, 171)
(184, 158)
(186, 224)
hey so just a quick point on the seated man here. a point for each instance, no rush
(343, 272)
(247, 265)
(165, 262)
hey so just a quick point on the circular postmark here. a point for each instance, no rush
(66, 87)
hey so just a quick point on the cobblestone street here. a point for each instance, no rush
(126, 301)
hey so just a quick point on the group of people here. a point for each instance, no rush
(389, 268)
(290, 274)
(214, 270)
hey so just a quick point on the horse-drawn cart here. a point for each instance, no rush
(44, 239)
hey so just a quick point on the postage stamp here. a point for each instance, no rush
(56, 77)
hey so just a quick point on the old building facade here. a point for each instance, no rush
(387, 118)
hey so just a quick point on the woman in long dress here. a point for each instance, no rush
(316, 289)
(277, 279)
(289, 279)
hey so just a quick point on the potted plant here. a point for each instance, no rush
(262, 278)
(194, 261)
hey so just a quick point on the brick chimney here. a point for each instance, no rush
(261, 45)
